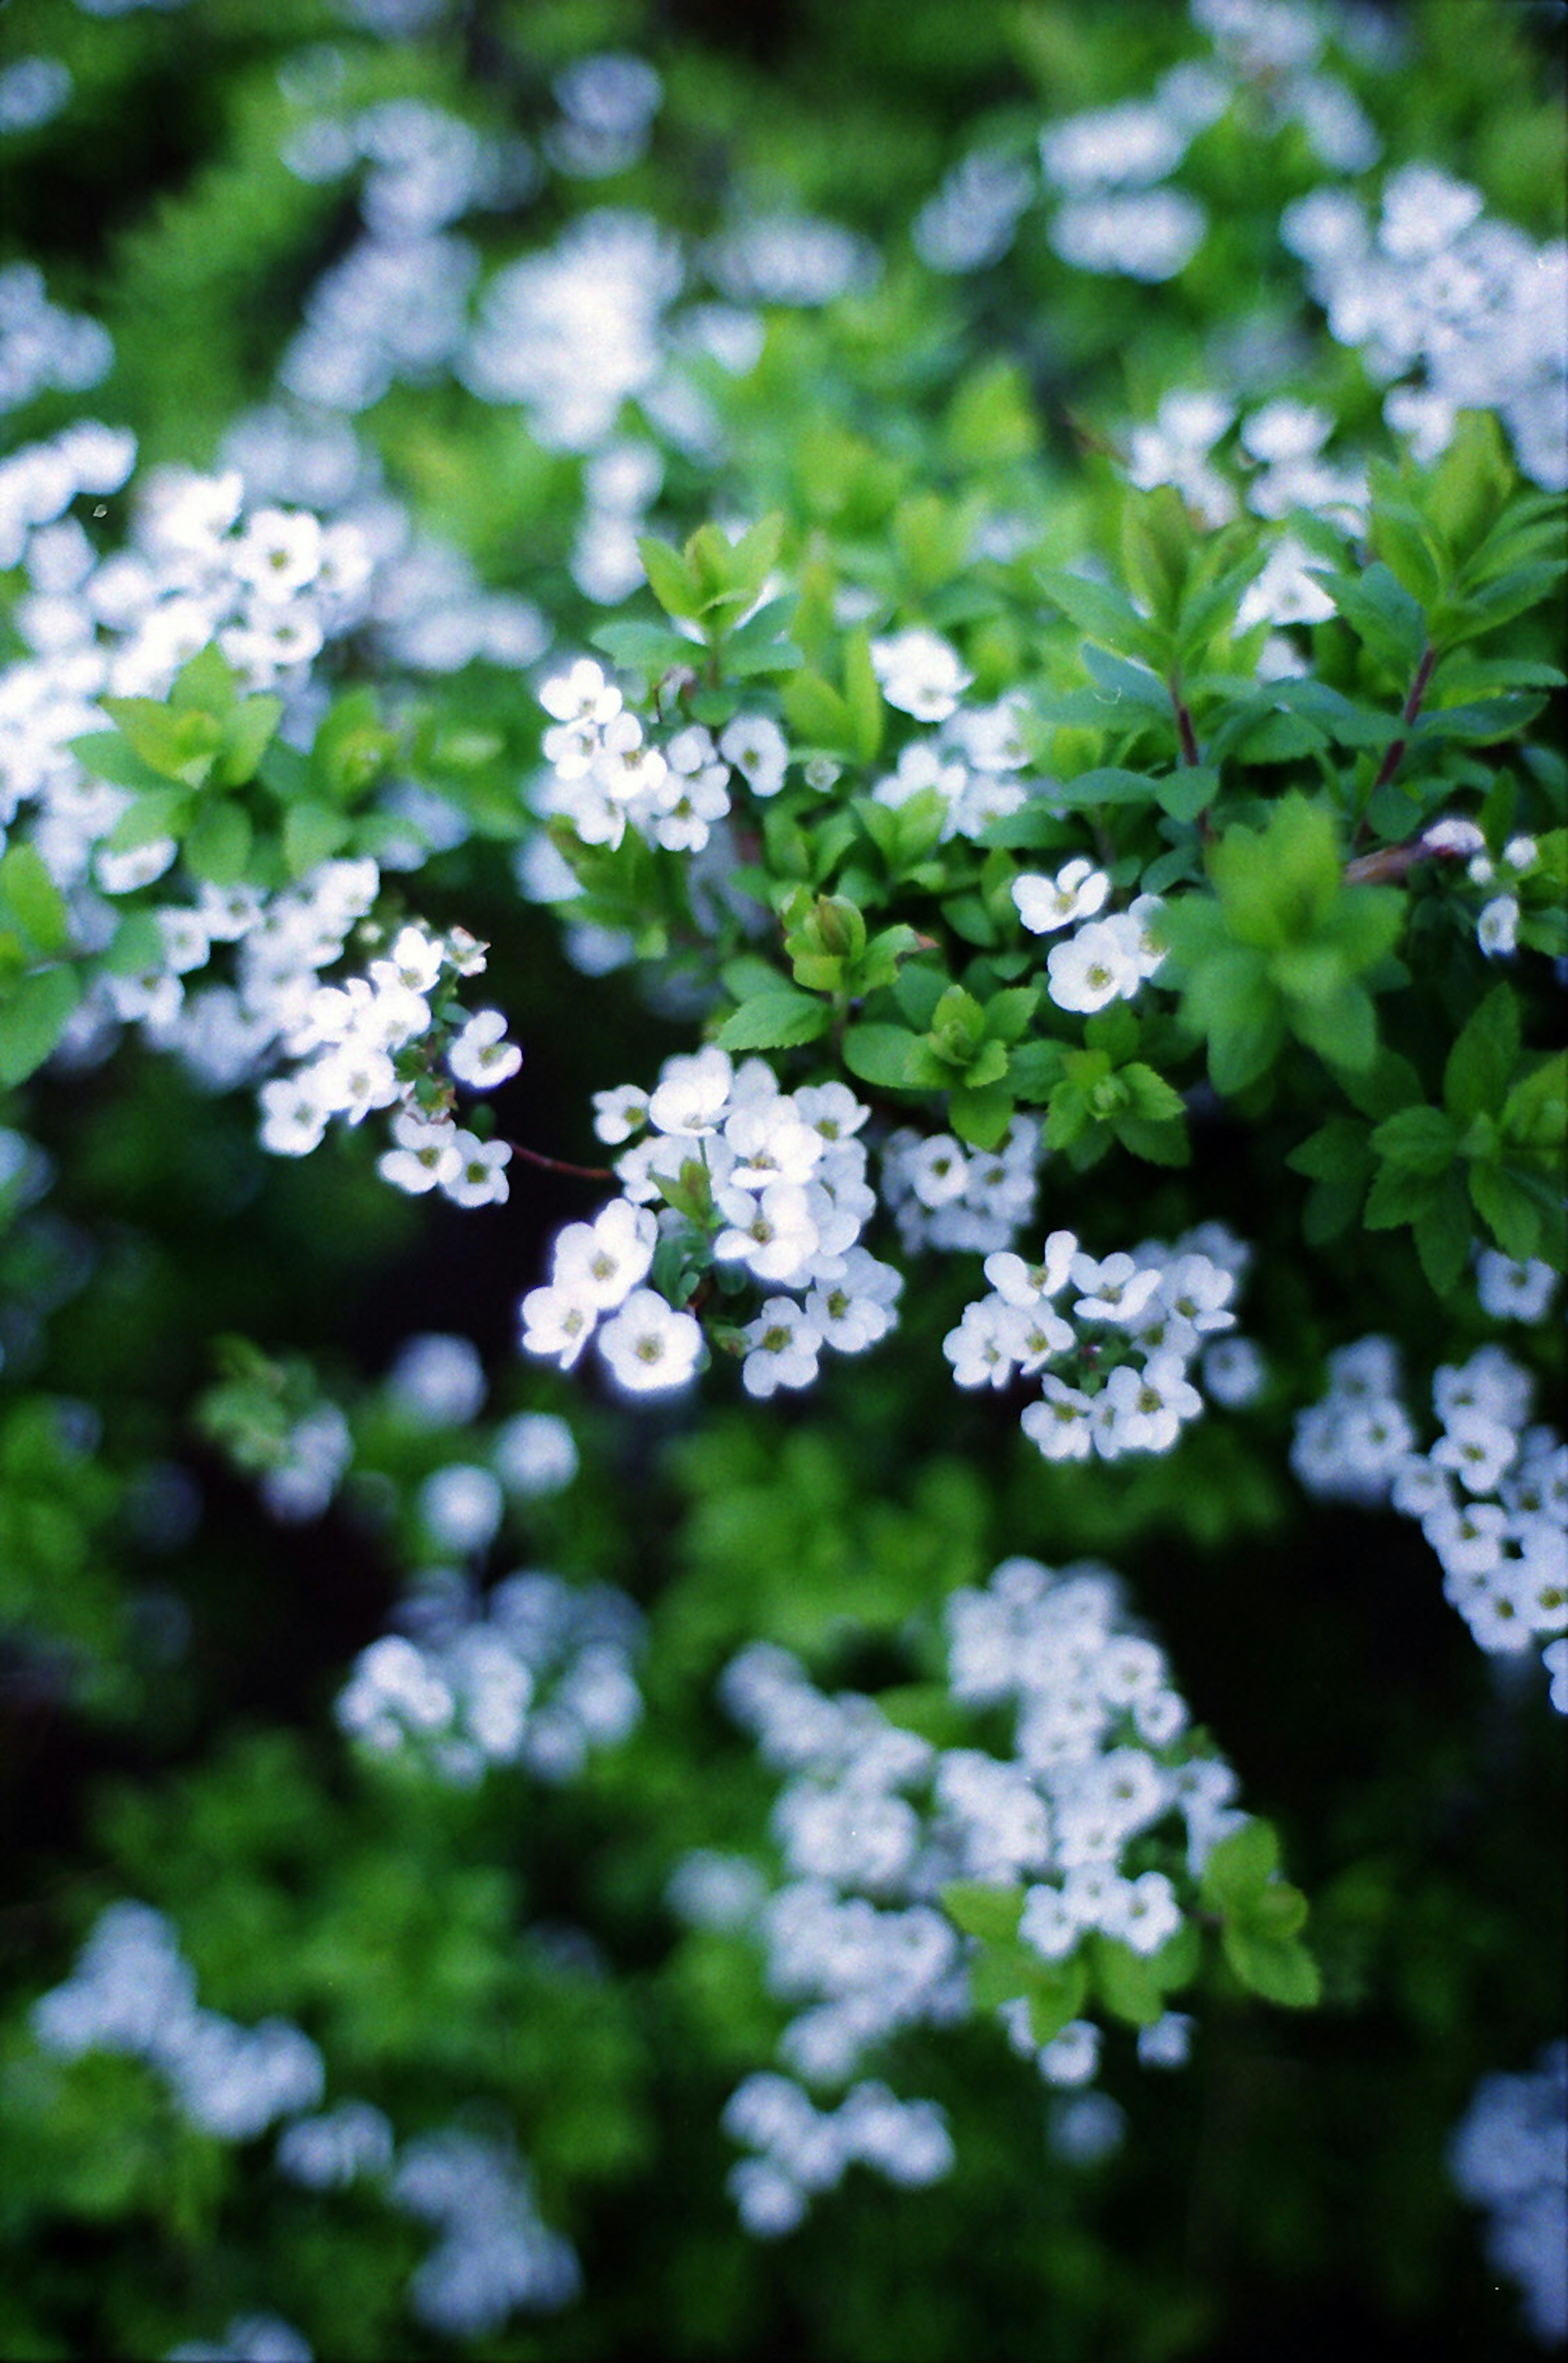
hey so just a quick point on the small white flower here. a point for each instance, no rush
(1045, 904)
(481, 1177)
(757, 748)
(600, 1263)
(1497, 929)
(1094, 968)
(919, 673)
(650, 1346)
(784, 1345)
(481, 1057)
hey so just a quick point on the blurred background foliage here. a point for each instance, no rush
(169, 1656)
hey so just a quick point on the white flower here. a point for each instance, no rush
(1077, 892)
(650, 1346)
(427, 1155)
(583, 694)
(773, 1236)
(691, 1092)
(784, 1345)
(600, 1263)
(919, 673)
(757, 748)
(620, 1114)
(481, 1177)
(1497, 929)
(481, 1057)
(1094, 968)
(1510, 1291)
(989, 1343)
(556, 1322)
(293, 1119)
(856, 1309)
(1061, 1424)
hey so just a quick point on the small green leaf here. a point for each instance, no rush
(1481, 1064)
(1240, 1865)
(1126, 1982)
(892, 1058)
(670, 578)
(313, 833)
(982, 1910)
(33, 899)
(218, 844)
(776, 1020)
(1281, 1970)
(1421, 1139)
(33, 1019)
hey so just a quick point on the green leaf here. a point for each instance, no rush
(980, 1115)
(33, 1019)
(247, 732)
(863, 697)
(313, 833)
(1422, 1140)
(1509, 1212)
(651, 649)
(817, 713)
(1243, 1045)
(982, 1910)
(1127, 1982)
(775, 1020)
(180, 747)
(1241, 1863)
(1397, 1196)
(218, 844)
(1102, 614)
(1441, 1232)
(1056, 1998)
(1186, 793)
(1281, 1970)
(1380, 611)
(1278, 1910)
(32, 898)
(670, 578)
(1481, 1063)
(892, 1058)
(1090, 789)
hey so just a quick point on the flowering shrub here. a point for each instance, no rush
(898, 761)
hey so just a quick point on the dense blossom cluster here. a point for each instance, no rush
(944, 1195)
(874, 1820)
(132, 1991)
(537, 1674)
(770, 1189)
(1450, 310)
(1491, 1494)
(1139, 1322)
(1509, 2156)
(801, 2151)
(494, 2253)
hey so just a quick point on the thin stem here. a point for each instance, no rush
(1395, 753)
(560, 1164)
(1184, 730)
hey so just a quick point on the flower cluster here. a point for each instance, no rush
(1509, 2156)
(760, 1186)
(537, 1675)
(605, 776)
(43, 347)
(801, 2151)
(963, 1200)
(132, 1991)
(493, 2253)
(1450, 310)
(1491, 1494)
(372, 1042)
(1139, 1322)
(1102, 960)
(875, 1822)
